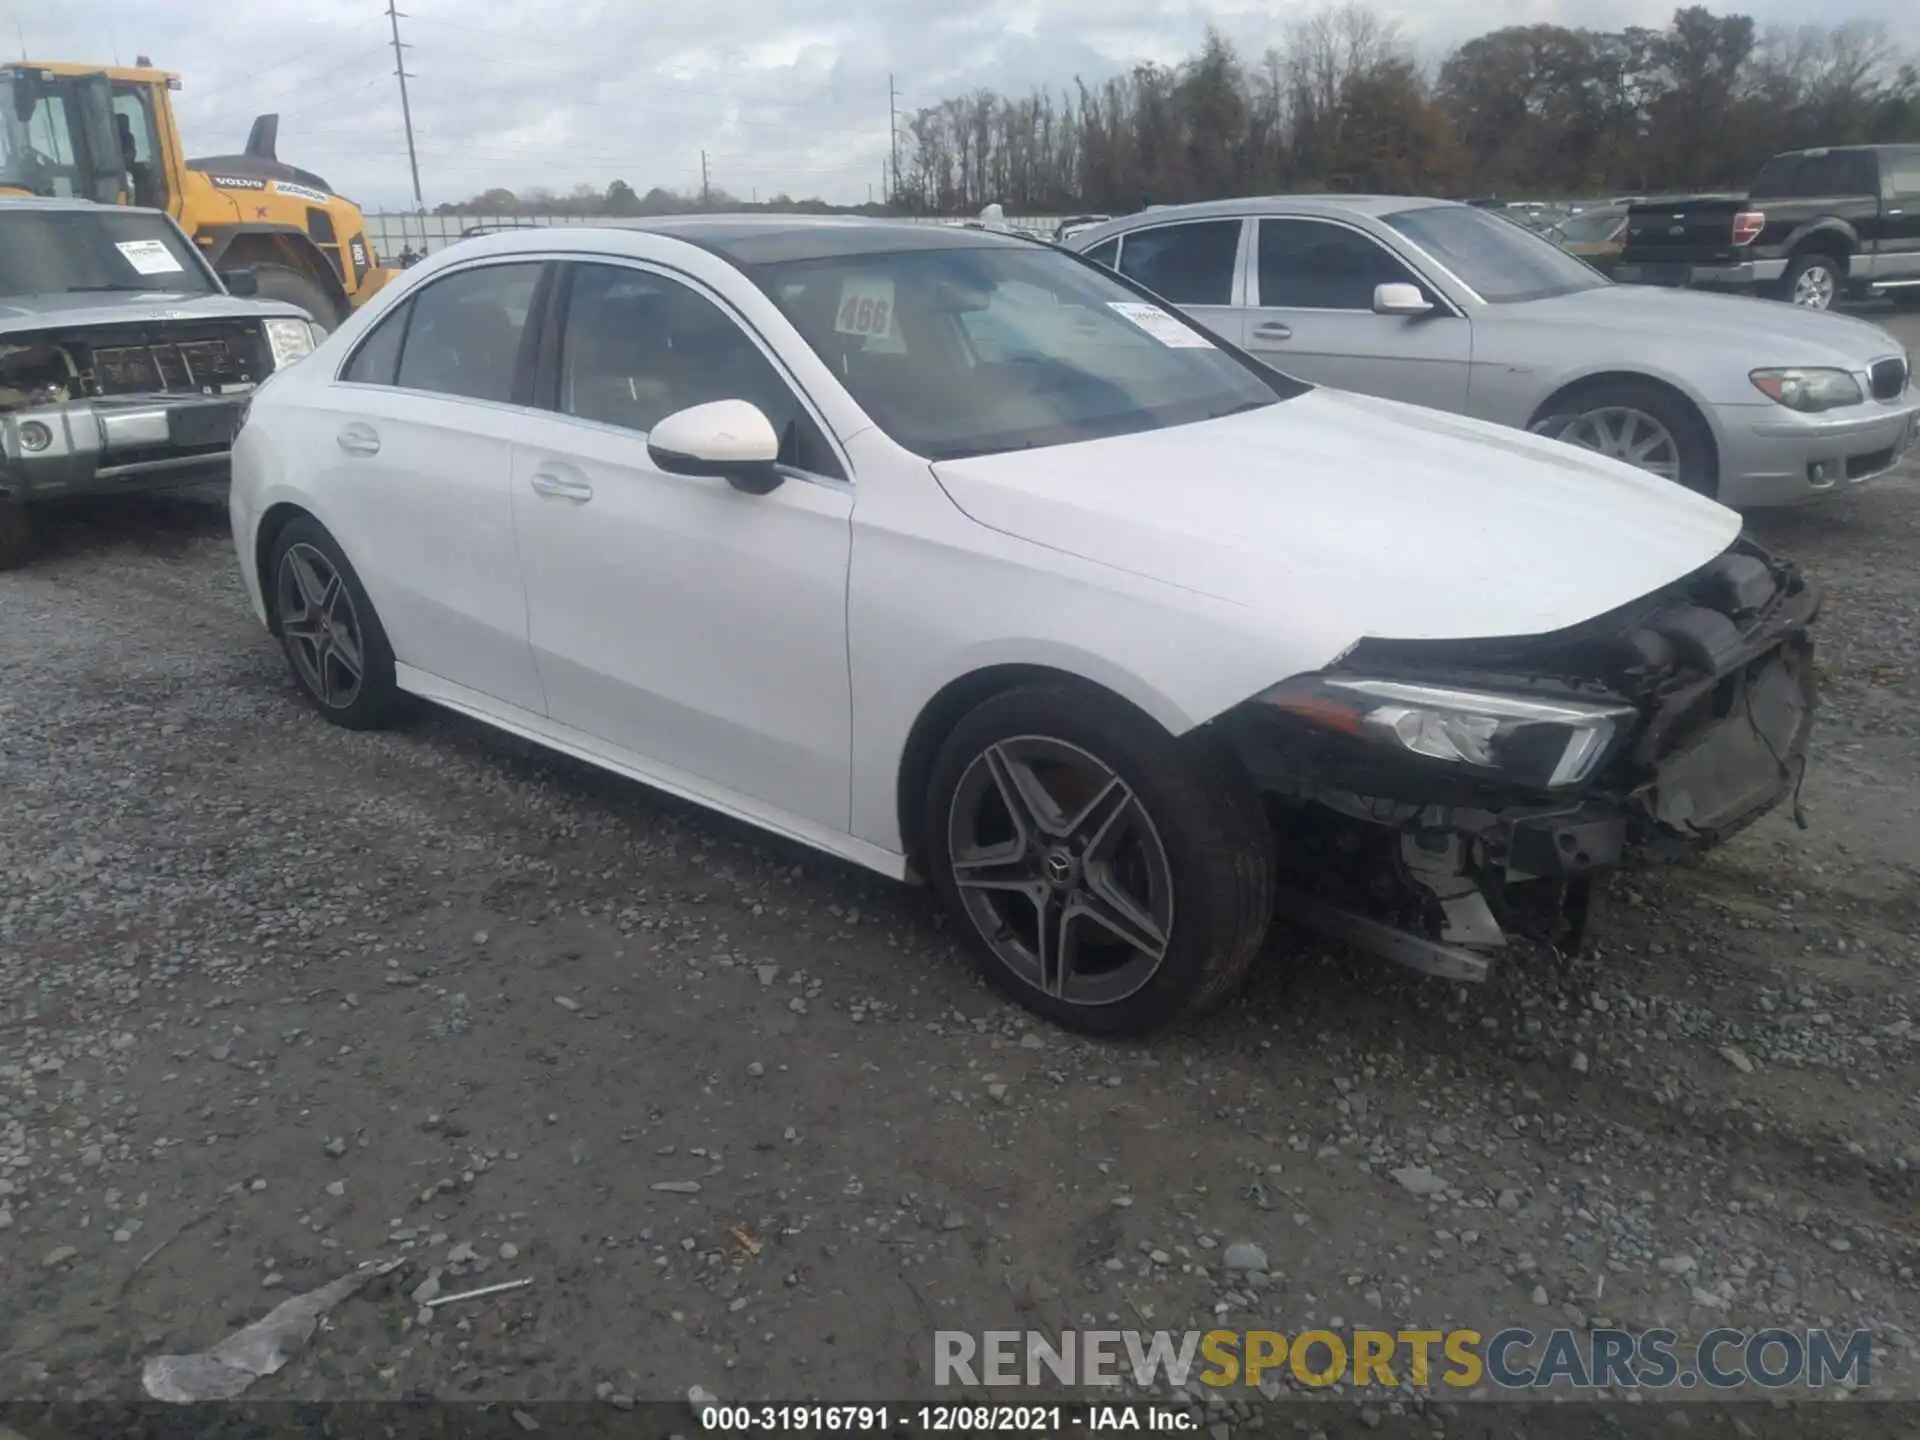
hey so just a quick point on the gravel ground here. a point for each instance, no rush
(276, 999)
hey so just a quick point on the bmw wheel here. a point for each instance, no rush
(1109, 876)
(1639, 424)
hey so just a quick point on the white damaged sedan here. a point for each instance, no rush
(960, 558)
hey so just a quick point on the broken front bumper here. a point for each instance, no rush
(1432, 868)
(116, 446)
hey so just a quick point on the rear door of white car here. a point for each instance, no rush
(1310, 314)
(412, 448)
(674, 617)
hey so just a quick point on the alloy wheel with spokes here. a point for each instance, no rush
(1623, 433)
(320, 626)
(1815, 287)
(334, 641)
(1108, 875)
(1061, 869)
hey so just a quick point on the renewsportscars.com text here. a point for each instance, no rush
(1511, 1359)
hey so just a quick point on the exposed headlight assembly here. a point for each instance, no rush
(1544, 744)
(1808, 390)
(290, 340)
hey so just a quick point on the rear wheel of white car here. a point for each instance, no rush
(333, 640)
(1110, 877)
(1640, 424)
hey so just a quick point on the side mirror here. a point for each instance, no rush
(243, 283)
(1400, 299)
(729, 439)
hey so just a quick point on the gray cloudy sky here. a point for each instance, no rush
(783, 96)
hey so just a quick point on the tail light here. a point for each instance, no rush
(1747, 226)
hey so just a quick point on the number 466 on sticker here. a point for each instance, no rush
(866, 308)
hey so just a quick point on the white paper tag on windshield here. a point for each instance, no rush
(1160, 325)
(149, 257)
(866, 307)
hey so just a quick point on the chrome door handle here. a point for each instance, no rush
(358, 439)
(1273, 330)
(561, 487)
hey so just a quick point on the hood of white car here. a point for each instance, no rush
(1344, 513)
(1765, 332)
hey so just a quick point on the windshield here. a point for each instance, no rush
(978, 350)
(1499, 261)
(67, 252)
(1591, 229)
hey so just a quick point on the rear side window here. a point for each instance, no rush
(1190, 264)
(464, 334)
(1105, 254)
(1903, 174)
(1818, 175)
(378, 357)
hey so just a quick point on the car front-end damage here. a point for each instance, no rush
(1433, 797)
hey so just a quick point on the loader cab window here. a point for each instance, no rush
(139, 146)
(36, 142)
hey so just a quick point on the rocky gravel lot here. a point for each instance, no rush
(276, 1000)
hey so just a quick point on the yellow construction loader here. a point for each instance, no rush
(109, 134)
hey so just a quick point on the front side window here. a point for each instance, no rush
(1317, 265)
(978, 349)
(72, 252)
(1501, 262)
(464, 333)
(1190, 264)
(638, 346)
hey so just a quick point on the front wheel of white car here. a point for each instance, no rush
(1639, 424)
(1110, 877)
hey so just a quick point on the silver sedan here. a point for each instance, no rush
(1449, 306)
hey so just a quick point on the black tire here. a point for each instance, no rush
(1201, 813)
(1811, 262)
(278, 282)
(374, 697)
(1699, 467)
(16, 534)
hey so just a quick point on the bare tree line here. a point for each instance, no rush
(1342, 104)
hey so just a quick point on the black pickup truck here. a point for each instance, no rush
(1816, 225)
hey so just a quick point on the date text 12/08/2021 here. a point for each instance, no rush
(959, 1419)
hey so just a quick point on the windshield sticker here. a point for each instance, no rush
(149, 257)
(1160, 325)
(866, 308)
(301, 192)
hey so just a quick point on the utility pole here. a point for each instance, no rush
(704, 192)
(893, 139)
(406, 115)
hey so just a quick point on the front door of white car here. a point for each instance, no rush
(684, 621)
(1310, 313)
(413, 448)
